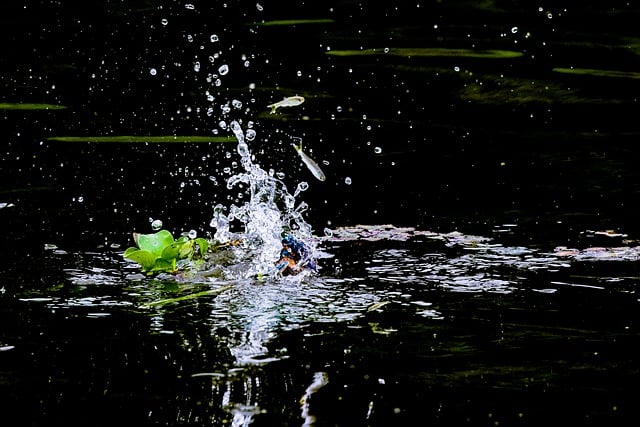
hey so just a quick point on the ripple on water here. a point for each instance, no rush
(408, 272)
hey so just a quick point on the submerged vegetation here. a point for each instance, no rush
(599, 73)
(428, 52)
(290, 22)
(27, 106)
(143, 139)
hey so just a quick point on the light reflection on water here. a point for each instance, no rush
(404, 272)
(361, 284)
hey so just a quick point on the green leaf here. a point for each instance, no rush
(188, 297)
(203, 244)
(186, 251)
(154, 243)
(129, 250)
(172, 251)
(164, 265)
(145, 258)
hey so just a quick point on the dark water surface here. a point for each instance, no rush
(497, 139)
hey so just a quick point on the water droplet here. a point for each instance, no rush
(153, 71)
(259, 7)
(192, 234)
(514, 30)
(236, 104)
(377, 150)
(223, 70)
(243, 149)
(299, 73)
(196, 67)
(328, 232)
(456, 69)
(347, 180)
(214, 38)
(250, 134)
(386, 50)
(222, 124)
(156, 225)
(189, 6)
(302, 186)
(164, 21)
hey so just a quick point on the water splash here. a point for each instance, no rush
(269, 213)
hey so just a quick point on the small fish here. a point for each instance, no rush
(313, 166)
(291, 101)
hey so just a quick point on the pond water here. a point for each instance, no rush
(476, 233)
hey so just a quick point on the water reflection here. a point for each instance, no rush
(221, 354)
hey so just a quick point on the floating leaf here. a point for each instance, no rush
(186, 249)
(146, 259)
(203, 244)
(155, 242)
(172, 251)
(159, 252)
(164, 265)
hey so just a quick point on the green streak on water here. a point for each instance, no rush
(163, 139)
(599, 73)
(29, 107)
(289, 22)
(187, 297)
(429, 52)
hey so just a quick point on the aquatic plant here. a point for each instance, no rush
(143, 139)
(159, 252)
(29, 106)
